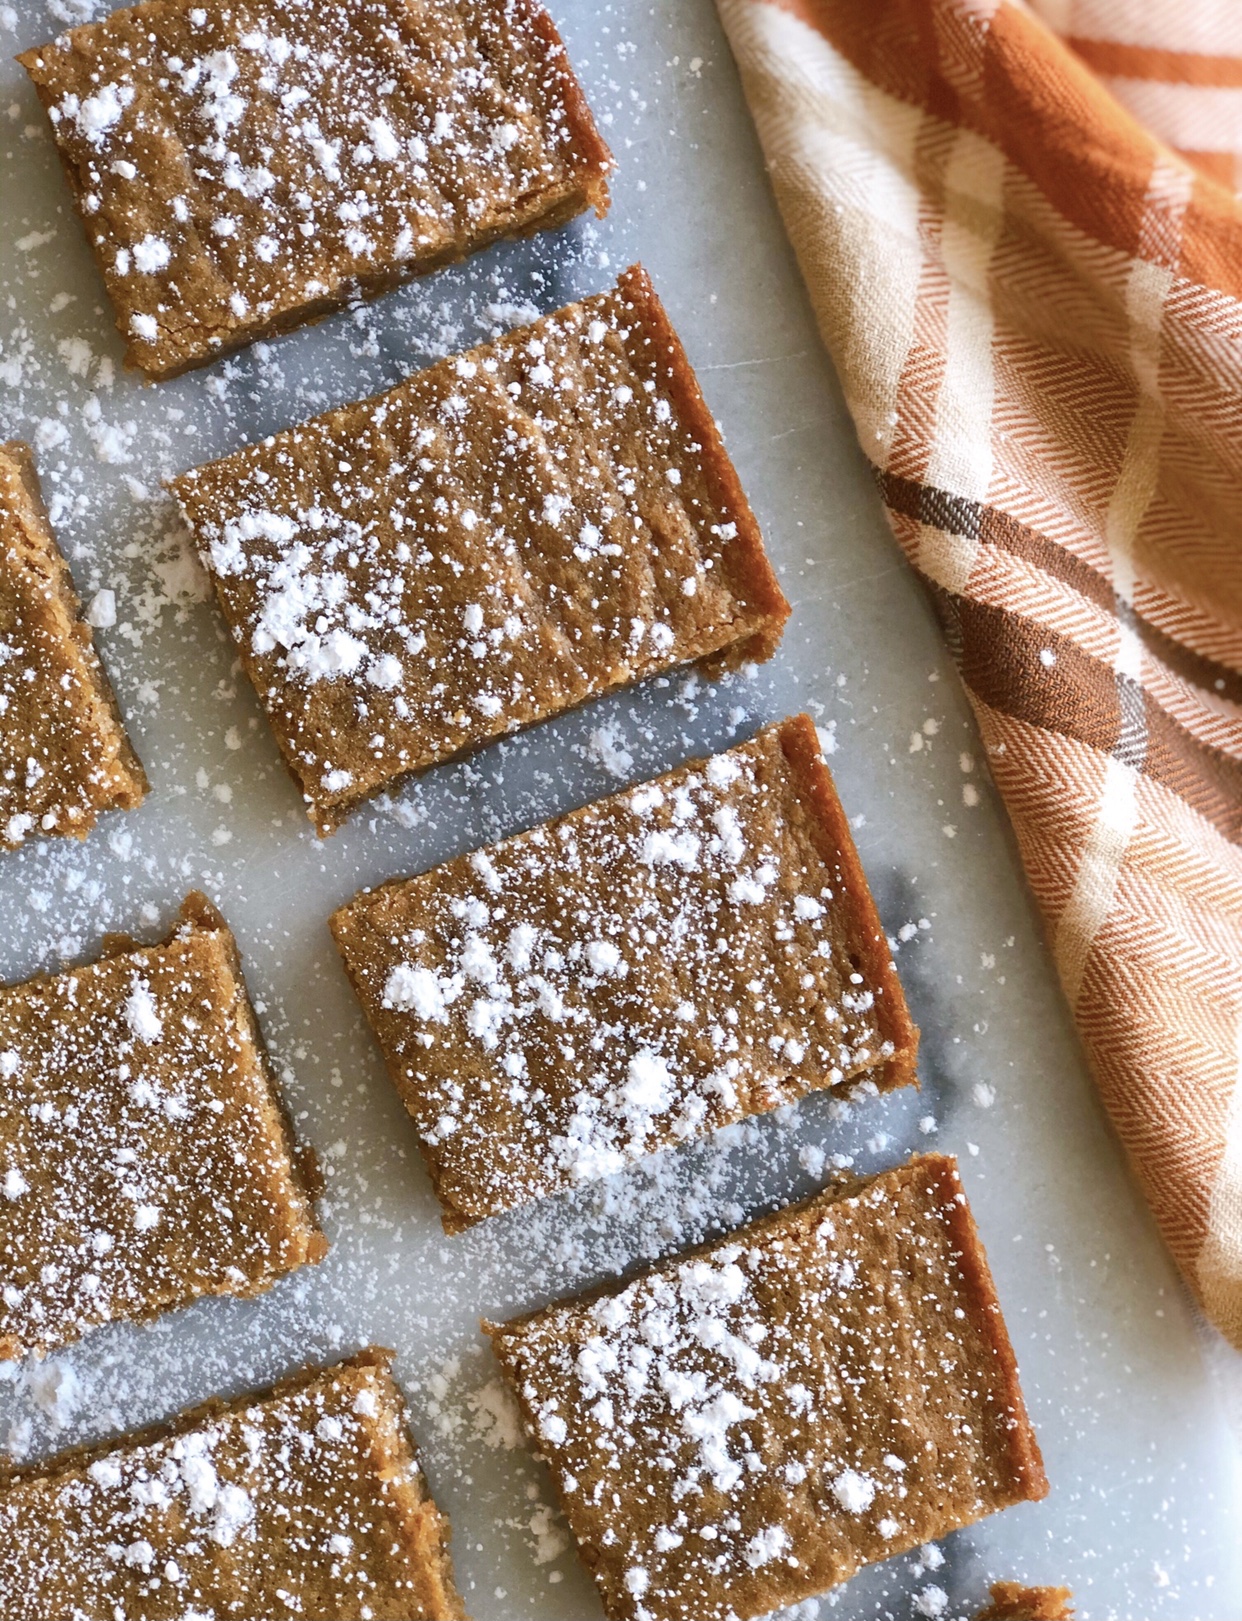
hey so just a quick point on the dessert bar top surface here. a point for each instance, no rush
(640, 972)
(144, 1158)
(242, 167)
(746, 1427)
(500, 537)
(64, 755)
(305, 1501)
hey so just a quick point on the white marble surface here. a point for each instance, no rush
(1143, 1515)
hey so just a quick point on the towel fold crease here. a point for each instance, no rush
(1034, 304)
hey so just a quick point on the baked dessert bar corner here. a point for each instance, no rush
(1013, 1601)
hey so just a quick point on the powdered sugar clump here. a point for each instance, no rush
(141, 1013)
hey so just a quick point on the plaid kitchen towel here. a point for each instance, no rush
(1035, 307)
(1176, 64)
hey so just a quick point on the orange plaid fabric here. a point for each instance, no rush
(1035, 307)
(1176, 66)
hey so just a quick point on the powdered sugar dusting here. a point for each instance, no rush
(641, 973)
(724, 1429)
(295, 171)
(450, 594)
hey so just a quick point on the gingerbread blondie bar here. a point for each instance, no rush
(243, 168)
(504, 535)
(144, 1157)
(304, 1501)
(1011, 1601)
(64, 755)
(631, 976)
(746, 1427)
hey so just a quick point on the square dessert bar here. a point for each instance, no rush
(304, 1501)
(64, 755)
(746, 1427)
(242, 168)
(504, 535)
(144, 1156)
(633, 975)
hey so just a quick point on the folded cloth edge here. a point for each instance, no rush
(926, 156)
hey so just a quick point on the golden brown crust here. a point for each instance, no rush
(874, 1294)
(1026, 1459)
(412, 1575)
(518, 49)
(94, 768)
(200, 913)
(260, 1223)
(800, 742)
(425, 1527)
(750, 572)
(1011, 1601)
(592, 158)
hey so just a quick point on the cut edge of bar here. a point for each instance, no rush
(47, 563)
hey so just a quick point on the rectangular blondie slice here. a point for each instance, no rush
(303, 1501)
(634, 975)
(64, 755)
(243, 168)
(746, 1427)
(144, 1156)
(504, 535)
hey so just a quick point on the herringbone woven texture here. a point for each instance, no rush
(1035, 307)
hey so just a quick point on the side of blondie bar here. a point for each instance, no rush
(501, 537)
(746, 1427)
(145, 1159)
(304, 1501)
(64, 755)
(1012, 1601)
(243, 168)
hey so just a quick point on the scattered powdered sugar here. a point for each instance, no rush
(932, 1601)
(417, 990)
(96, 114)
(101, 612)
(607, 745)
(496, 1415)
(775, 1394)
(55, 1390)
(696, 968)
(766, 1545)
